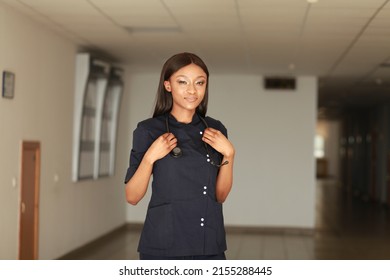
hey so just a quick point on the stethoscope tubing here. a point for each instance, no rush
(177, 151)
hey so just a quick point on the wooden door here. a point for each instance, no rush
(29, 201)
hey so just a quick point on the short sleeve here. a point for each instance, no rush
(141, 143)
(223, 129)
(217, 125)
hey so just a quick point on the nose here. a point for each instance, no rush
(191, 88)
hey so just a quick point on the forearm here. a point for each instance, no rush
(225, 179)
(137, 186)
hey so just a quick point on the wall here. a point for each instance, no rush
(142, 89)
(273, 132)
(71, 214)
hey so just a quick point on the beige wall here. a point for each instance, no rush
(71, 214)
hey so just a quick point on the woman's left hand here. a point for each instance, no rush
(218, 141)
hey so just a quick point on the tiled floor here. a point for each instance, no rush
(347, 228)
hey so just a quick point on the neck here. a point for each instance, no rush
(183, 116)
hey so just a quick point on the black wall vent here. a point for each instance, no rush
(285, 83)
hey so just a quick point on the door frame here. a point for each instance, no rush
(388, 179)
(30, 145)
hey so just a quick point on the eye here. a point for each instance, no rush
(200, 83)
(181, 82)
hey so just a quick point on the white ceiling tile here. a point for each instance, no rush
(382, 20)
(272, 4)
(258, 36)
(72, 7)
(137, 13)
(381, 72)
(199, 7)
(134, 4)
(348, 4)
(139, 20)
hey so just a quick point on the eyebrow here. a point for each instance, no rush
(184, 76)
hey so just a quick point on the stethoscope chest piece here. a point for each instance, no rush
(176, 152)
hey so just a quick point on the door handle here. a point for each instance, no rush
(23, 207)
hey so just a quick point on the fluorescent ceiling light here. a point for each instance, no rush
(151, 30)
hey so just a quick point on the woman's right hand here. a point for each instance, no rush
(161, 147)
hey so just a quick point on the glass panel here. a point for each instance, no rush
(106, 132)
(86, 164)
(88, 131)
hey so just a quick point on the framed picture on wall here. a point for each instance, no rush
(8, 84)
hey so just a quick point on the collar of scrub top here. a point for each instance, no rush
(177, 151)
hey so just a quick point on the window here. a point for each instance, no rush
(319, 146)
(97, 98)
(109, 123)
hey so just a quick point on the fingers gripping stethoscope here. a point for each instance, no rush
(177, 151)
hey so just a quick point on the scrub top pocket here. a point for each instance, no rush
(158, 228)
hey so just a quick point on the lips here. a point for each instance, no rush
(191, 99)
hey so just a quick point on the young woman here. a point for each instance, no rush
(191, 160)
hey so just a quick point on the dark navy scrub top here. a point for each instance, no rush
(183, 216)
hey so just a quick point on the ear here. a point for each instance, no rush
(167, 86)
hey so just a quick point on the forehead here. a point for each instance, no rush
(190, 71)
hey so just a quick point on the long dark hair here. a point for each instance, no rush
(164, 98)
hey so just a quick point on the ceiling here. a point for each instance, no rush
(346, 43)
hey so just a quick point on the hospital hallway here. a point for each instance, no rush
(346, 228)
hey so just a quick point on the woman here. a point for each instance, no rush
(191, 160)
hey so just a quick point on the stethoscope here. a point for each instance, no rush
(177, 151)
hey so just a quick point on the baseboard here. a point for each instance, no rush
(250, 229)
(269, 230)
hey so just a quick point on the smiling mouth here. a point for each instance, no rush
(191, 99)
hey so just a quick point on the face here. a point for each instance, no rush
(188, 87)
